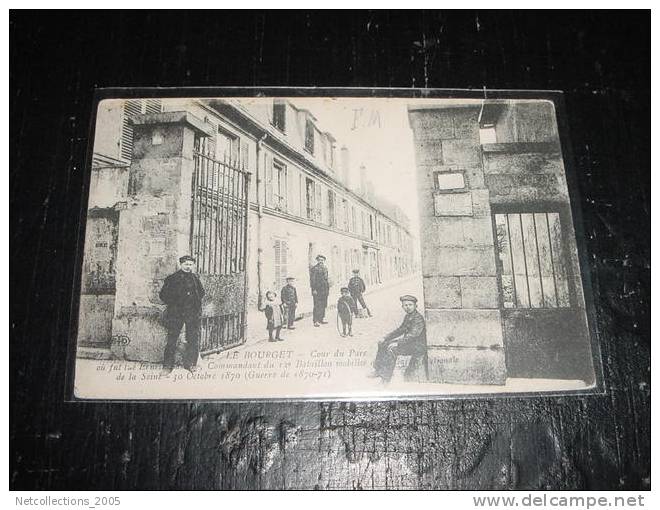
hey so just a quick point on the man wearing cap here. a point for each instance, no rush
(182, 292)
(409, 339)
(318, 281)
(289, 297)
(357, 287)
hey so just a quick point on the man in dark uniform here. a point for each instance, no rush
(182, 292)
(357, 287)
(409, 339)
(289, 297)
(318, 281)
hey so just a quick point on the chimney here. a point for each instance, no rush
(363, 180)
(370, 191)
(345, 165)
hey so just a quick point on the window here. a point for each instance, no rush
(245, 155)
(279, 115)
(227, 147)
(533, 271)
(280, 186)
(332, 219)
(281, 264)
(345, 214)
(206, 146)
(318, 213)
(313, 200)
(309, 136)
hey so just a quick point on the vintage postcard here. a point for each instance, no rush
(330, 247)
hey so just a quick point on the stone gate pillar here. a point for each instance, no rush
(461, 297)
(154, 228)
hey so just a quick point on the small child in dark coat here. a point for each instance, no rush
(289, 302)
(346, 307)
(274, 316)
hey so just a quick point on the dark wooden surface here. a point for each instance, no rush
(601, 61)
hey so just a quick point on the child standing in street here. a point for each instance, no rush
(274, 316)
(289, 302)
(346, 307)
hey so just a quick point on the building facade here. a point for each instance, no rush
(252, 188)
(502, 286)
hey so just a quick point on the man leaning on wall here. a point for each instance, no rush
(182, 292)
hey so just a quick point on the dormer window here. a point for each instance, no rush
(279, 116)
(309, 136)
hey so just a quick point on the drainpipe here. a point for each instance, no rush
(260, 213)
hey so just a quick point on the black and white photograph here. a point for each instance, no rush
(330, 247)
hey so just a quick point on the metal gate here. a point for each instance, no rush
(218, 241)
(544, 319)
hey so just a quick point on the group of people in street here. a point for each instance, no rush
(283, 315)
(350, 296)
(183, 292)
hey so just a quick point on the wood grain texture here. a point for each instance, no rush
(601, 61)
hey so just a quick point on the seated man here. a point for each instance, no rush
(409, 339)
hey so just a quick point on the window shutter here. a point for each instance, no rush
(319, 204)
(131, 107)
(211, 146)
(278, 258)
(303, 202)
(309, 198)
(283, 263)
(244, 155)
(153, 106)
(290, 190)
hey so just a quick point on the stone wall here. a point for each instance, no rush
(462, 185)
(154, 228)
(464, 331)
